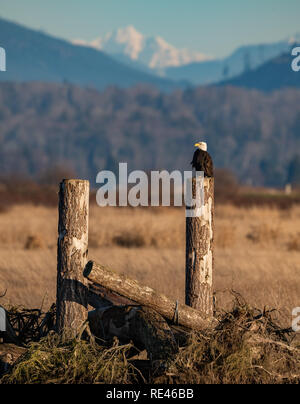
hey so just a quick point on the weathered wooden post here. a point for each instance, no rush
(199, 249)
(72, 291)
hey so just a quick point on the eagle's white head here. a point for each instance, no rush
(201, 146)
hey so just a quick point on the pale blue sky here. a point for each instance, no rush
(215, 27)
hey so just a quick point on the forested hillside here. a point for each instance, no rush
(42, 126)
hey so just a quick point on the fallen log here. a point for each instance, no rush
(97, 302)
(143, 295)
(101, 298)
(106, 297)
(142, 325)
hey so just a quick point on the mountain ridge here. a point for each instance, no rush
(244, 58)
(272, 75)
(35, 56)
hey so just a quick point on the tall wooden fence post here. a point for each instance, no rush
(72, 291)
(199, 251)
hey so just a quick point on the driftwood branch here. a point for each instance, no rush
(142, 325)
(143, 295)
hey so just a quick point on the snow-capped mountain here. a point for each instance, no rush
(153, 52)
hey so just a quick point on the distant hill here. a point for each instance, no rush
(36, 56)
(254, 134)
(243, 59)
(275, 74)
(150, 52)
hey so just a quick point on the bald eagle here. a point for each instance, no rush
(202, 160)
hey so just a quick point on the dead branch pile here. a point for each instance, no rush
(247, 346)
(125, 341)
(31, 325)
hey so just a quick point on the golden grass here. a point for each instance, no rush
(254, 252)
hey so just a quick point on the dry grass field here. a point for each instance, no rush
(257, 253)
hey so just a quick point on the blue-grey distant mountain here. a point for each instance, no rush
(273, 75)
(36, 56)
(243, 59)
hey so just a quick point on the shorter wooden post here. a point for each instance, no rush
(199, 250)
(72, 291)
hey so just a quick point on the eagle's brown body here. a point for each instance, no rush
(202, 161)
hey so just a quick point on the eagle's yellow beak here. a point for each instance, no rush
(197, 145)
